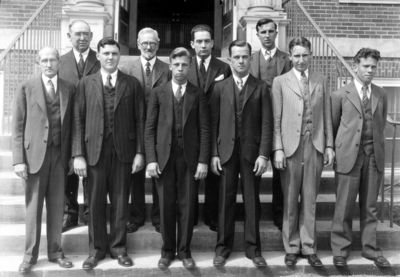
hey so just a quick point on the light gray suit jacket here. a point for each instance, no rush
(288, 106)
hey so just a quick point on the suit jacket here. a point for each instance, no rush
(215, 69)
(159, 124)
(288, 106)
(256, 138)
(129, 117)
(347, 120)
(161, 73)
(30, 123)
(283, 64)
(68, 69)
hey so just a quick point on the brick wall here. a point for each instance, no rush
(15, 13)
(349, 20)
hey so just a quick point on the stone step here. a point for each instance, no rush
(12, 208)
(237, 265)
(147, 240)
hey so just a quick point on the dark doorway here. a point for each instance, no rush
(174, 19)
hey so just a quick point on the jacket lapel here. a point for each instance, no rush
(353, 97)
(192, 75)
(280, 61)
(312, 81)
(137, 70)
(293, 83)
(98, 87)
(70, 60)
(211, 74)
(229, 83)
(255, 64)
(157, 72)
(375, 95)
(168, 105)
(120, 86)
(39, 94)
(188, 102)
(64, 98)
(90, 62)
(251, 86)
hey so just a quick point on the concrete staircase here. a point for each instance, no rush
(144, 246)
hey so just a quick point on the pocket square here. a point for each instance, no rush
(219, 78)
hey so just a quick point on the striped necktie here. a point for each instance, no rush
(267, 56)
(365, 96)
(147, 69)
(51, 90)
(178, 93)
(108, 83)
(240, 84)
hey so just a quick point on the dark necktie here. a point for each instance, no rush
(81, 64)
(202, 68)
(147, 69)
(365, 96)
(178, 93)
(304, 81)
(108, 83)
(240, 84)
(51, 90)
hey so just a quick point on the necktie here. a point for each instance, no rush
(267, 55)
(202, 68)
(178, 93)
(147, 69)
(108, 83)
(304, 80)
(365, 96)
(81, 64)
(240, 84)
(51, 90)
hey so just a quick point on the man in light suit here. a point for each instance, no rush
(108, 147)
(302, 145)
(81, 61)
(151, 72)
(41, 148)
(359, 116)
(205, 72)
(267, 63)
(241, 138)
(177, 140)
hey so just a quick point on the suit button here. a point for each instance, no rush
(101, 135)
(298, 131)
(299, 114)
(358, 130)
(46, 127)
(45, 141)
(356, 144)
(233, 139)
(360, 117)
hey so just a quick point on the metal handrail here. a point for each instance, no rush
(17, 61)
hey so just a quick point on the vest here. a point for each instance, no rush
(307, 124)
(239, 99)
(268, 70)
(147, 84)
(54, 117)
(177, 134)
(109, 100)
(367, 135)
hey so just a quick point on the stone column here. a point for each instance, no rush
(259, 9)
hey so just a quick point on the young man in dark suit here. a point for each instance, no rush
(359, 117)
(41, 148)
(108, 147)
(81, 61)
(151, 72)
(241, 138)
(205, 72)
(177, 138)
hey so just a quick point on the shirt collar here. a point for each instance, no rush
(273, 51)
(298, 73)
(104, 75)
(244, 79)
(84, 55)
(175, 87)
(54, 80)
(359, 89)
(144, 61)
(206, 61)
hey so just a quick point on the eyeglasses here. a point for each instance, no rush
(84, 34)
(145, 44)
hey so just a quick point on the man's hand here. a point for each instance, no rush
(138, 163)
(21, 170)
(201, 171)
(71, 166)
(280, 160)
(153, 169)
(80, 166)
(260, 166)
(329, 156)
(216, 165)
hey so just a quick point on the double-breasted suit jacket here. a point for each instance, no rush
(89, 118)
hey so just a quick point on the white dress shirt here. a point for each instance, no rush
(272, 53)
(84, 55)
(144, 62)
(206, 62)
(104, 75)
(359, 89)
(237, 79)
(175, 87)
(47, 85)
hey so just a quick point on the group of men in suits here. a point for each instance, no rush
(105, 124)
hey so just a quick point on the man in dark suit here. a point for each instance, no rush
(177, 140)
(241, 138)
(41, 148)
(81, 61)
(266, 64)
(108, 137)
(205, 72)
(151, 72)
(359, 116)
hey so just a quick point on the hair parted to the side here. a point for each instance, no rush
(299, 41)
(264, 21)
(201, 28)
(106, 41)
(366, 53)
(180, 52)
(148, 30)
(238, 43)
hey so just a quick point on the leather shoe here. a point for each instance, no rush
(157, 227)
(68, 225)
(381, 262)
(25, 267)
(313, 260)
(123, 260)
(188, 263)
(164, 263)
(339, 261)
(90, 263)
(219, 261)
(259, 261)
(213, 226)
(133, 227)
(62, 262)
(291, 259)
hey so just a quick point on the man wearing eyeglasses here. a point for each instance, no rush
(205, 72)
(151, 72)
(81, 61)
